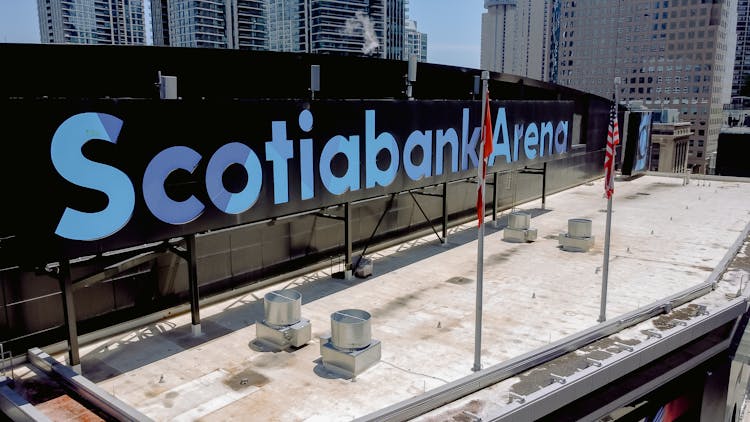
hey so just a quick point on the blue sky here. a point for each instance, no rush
(453, 27)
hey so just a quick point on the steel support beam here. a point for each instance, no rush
(375, 230)
(115, 269)
(544, 186)
(542, 172)
(195, 312)
(494, 199)
(444, 240)
(347, 241)
(425, 216)
(69, 314)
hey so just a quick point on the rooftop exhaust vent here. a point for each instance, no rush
(578, 238)
(350, 329)
(283, 325)
(518, 229)
(283, 307)
(350, 349)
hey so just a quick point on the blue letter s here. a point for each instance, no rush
(69, 161)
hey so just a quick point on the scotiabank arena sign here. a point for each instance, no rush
(127, 172)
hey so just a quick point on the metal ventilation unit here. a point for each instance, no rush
(283, 325)
(350, 349)
(518, 229)
(578, 238)
(363, 267)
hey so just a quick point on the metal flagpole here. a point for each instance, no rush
(480, 238)
(605, 264)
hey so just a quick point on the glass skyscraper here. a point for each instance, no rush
(516, 37)
(415, 42)
(287, 25)
(199, 23)
(668, 54)
(160, 22)
(395, 29)
(351, 27)
(236, 24)
(91, 21)
(372, 28)
(742, 55)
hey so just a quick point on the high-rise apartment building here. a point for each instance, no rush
(251, 30)
(200, 23)
(287, 25)
(372, 28)
(668, 54)
(351, 27)
(516, 37)
(237, 24)
(160, 22)
(415, 42)
(395, 29)
(347, 27)
(742, 56)
(91, 21)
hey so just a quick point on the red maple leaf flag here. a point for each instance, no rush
(613, 139)
(487, 151)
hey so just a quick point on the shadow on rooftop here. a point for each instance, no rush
(164, 339)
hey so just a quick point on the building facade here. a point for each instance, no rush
(251, 30)
(741, 76)
(395, 29)
(415, 42)
(737, 112)
(516, 36)
(669, 142)
(287, 25)
(235, 24)
(353, 27)
(668, 53)
(373, 28)
(160, 22)
(91, 22)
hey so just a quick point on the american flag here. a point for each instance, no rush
(487, 139)
(613, 139)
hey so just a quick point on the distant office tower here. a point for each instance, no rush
(91, 21)
(160, 22)
(237, 24)
(742, 56)
(348, 27)
(395, 28)
(251, 24)
(516, 37)
(200, 23)
(287, 28)
(415, 42)
(668, 54)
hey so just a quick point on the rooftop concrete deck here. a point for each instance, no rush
(666, 237)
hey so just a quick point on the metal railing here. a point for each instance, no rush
(6, 362)
(462, 387)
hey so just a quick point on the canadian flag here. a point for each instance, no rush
(486, 152)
